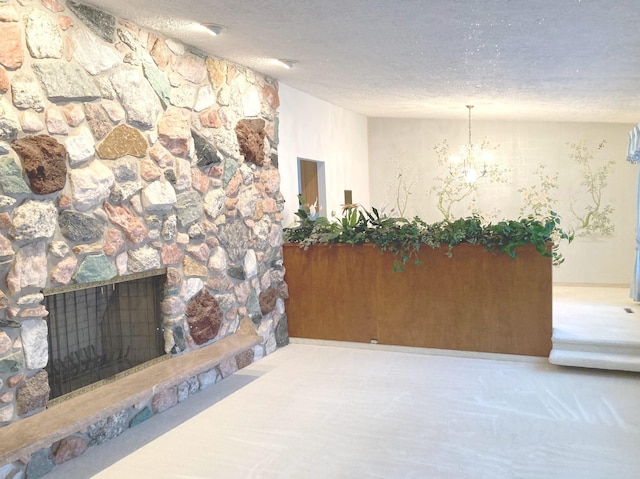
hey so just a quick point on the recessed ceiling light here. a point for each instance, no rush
(213, 28)
(287, 63)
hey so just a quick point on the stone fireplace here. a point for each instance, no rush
(123, 153)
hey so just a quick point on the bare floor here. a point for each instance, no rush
(339, 411)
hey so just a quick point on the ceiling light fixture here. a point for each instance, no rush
(213, 28)
(287, 63)
(471, 162)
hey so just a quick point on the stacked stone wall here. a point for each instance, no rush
(121, 152)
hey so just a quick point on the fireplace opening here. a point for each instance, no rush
(97, 332)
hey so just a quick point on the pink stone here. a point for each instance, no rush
(64, 201)
(113, 242)
(216, 172)
(232, 71)
(53, 5)
(210, 119)
(131, 224)
(161, 54)
(13, 312)
(39, 312)
(11, 52)
(5, 83)
(122, 262)
(55, 120)
(174, 132)
(113, 110)
(271, 180)
(269, 205)
(270, 95)
(13, 381)
(65, 22)
(161, 156)
(199, 180)
(172, 306)
(200, 251)
(63, 271)
(164, 400)
(174, 278)
(5, 247)
(74, 113)
(29, 268)
(68, 448)
(149, 171)
(191, 68)
(233, 187)
(5, 221)
(7, 397)
(171, 254)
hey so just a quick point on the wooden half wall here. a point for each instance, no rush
(472, 301)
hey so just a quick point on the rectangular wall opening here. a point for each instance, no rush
(98, 332)
(311, 185)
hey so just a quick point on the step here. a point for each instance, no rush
(21, 439)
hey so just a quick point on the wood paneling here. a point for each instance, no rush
(472, 301)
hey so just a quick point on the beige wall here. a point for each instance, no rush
(409, 143)
(316, 130)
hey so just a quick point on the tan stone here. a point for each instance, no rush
(9, 13)
(174, 132)
(161, 54)
(5, 343)
(217, 72)
(87, 248)
(210, 119)
(190, 267)
(5, 221)
(121, 141)
(270, 95)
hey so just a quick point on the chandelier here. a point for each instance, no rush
(471, 161)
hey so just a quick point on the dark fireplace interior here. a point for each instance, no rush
(98, 332)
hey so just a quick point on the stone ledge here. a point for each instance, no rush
(21, 439)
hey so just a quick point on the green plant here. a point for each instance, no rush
(404, 237)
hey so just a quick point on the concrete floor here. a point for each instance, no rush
(326, 411)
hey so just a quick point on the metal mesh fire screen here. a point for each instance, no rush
(98, 332)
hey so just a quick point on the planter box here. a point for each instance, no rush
(473, 301)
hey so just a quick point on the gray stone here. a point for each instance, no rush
(13, 363)
(206, 152)
(236, 272)
(189, 208)
(43, 36)
(170, 176)
(143, 259)
(59, 249)
(159, 82)
(214, 203)
(90, 185)
(124, 191)
(282, 332)
(208, 378)
(158, 196)
(235, 237)
(94, 56)
(170, 228)
(98, 120)
(11, 179)
(64, 82)
(178, 337)
(98, 21)
(108, 428)
(196, 232)
(230, 168)
(34, 220)
(247, 200)
(34, 343)
(9, 122)
(40, 464)
(188, 388)
(80, 147)
(95, 268)
(80, 227)
(26, 92)
(184, 96)
(253, 308)
(125, 169)
(140, 102)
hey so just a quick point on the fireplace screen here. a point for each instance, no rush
(98, 332)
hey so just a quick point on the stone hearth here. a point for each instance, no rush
(123, 152)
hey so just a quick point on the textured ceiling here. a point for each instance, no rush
(573, 60)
